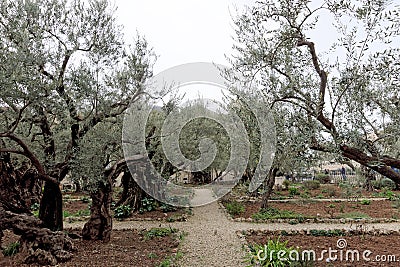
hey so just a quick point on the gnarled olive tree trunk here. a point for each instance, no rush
(99, 225)
(268, 187)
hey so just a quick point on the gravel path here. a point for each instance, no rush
(212, 239)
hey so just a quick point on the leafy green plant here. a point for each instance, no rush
(35, 207)
(11, 249)
(167, 208)
(329, 191)
(294, 191)
(234, 208)
(286, 183)
(323, 178)
(365, 202)
(274, 213)
(123, 211)
(159, 232)
(263, 255)
(311, 184)
(152, 255)
(165, 263)
(148, 204)
(384, 183)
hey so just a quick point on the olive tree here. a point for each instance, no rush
(346, 99)
(65, 70)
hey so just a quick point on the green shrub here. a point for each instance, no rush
(286, 183)
(167, 208)
(148, 204)
(294, 191)
(335, 232)
(11, 249)
(234, 208)
(123, 211)
(329, 191)
(388, 184)
(311, 184)
(274, 213)
(262, 255)
(365, 202)
(159, 232)
(323, 178)
(35, 207)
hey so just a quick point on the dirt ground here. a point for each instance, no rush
(126, 248)
(376, 209)
(382, 248)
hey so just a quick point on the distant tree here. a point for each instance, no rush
(345, 101)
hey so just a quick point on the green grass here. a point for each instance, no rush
(11, 249)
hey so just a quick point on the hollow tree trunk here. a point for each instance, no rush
(51, 212)
(269, 187)
(99, 225)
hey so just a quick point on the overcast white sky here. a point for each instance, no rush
(182, 31)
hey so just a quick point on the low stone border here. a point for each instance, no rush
(180, 218)
(348, 231)
(316, 220)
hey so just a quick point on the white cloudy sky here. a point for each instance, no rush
(182, 31)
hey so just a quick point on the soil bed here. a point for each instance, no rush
(126, 248)
(384, 246)
(309, 208)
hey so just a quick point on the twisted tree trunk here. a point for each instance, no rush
(269, 187)
(99, 225)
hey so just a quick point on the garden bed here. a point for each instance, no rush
(382, 244)
(126, 248)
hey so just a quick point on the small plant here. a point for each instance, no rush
(323, 178)
(260, 255)
(330, 209)
(341, 208)
(365, 202)
(329, 191)
(312, 184)
(293, 191)
(234, 208)
(148, 204)
(286, 183)
(165, 263)
(152, 255)
(11, 249)
(384, 183)
(167, 208)
(159, 232)
(274, 213)
(123, 211)
(35, 207)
